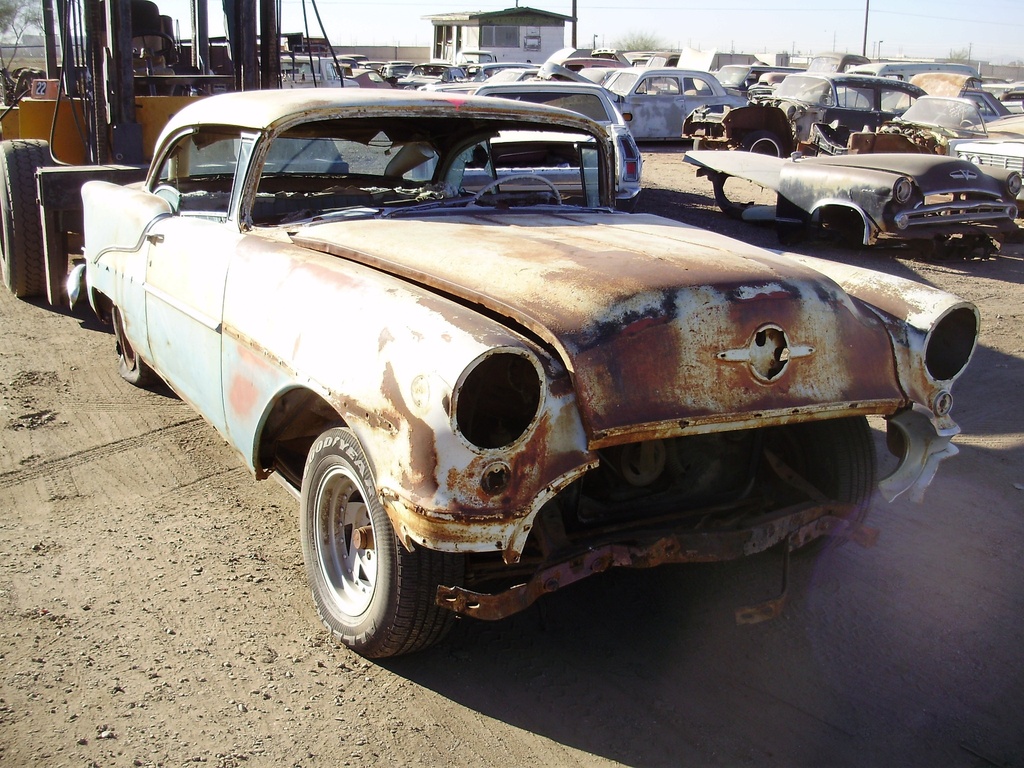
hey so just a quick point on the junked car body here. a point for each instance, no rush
(777, 127)
(964, 87)
(933, 125)
(428, 74)
(596, 103)
(902, 197)
(1007, 154)
(482, 390)
(738, 78)
(836, 62)
(655, 102)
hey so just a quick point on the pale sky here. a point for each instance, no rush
(992, 30)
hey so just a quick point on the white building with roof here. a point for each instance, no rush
(515, 34)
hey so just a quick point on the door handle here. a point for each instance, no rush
(155, 238)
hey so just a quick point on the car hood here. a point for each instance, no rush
(931, 172)
(664, 328)
(907, 163)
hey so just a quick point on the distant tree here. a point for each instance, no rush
(16, 18)
(963, 55)
(639, 41)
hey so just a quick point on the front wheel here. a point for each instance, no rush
(836, 457)
(374, 595)
(132, 368)
(763, 143)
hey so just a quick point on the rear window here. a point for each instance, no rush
(586, 104)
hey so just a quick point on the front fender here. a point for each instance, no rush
(935, 333)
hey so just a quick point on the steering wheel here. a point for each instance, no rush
(492, 185)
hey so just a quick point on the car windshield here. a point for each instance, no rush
(732, 75)
(621, 82)
(957, 115)
(361, 167)
(805, 88)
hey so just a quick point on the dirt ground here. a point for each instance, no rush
(153, 609)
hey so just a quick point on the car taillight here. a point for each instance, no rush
(630, 160)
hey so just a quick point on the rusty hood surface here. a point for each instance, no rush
(666, 329)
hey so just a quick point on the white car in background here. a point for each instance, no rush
(593, 101)
(655, 102)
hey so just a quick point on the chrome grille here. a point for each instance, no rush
(997, 161)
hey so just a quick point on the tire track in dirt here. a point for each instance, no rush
(46, 468)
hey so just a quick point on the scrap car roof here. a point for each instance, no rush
(259, 110)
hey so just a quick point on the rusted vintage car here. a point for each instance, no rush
(738, 78)
(481, 389)
(778, 127)
(931, 126)
(963, 87)
(940, 203)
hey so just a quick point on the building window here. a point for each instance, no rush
(499, 37)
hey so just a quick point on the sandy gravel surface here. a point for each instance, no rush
(153, 609)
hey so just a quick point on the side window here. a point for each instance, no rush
(199, 168)
(854, 97)
(896, 101)
(694, 86)
(659, 86)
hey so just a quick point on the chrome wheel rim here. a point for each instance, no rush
(345, 552)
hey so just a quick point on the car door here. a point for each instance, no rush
(893, 102)
(657, 105)
(189, 256)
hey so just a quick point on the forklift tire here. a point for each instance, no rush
(21, 232)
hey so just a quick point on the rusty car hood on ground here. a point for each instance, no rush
(663, 326)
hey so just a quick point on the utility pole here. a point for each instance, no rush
(575, 23)
(864, 45)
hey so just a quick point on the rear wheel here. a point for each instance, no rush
(21, 233)
(371, 593)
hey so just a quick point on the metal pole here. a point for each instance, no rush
(575, 24)
(49, 40)
(200, 36)
(864, 45)
(270, 45)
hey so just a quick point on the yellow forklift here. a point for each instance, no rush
(116, 71)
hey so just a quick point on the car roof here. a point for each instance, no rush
(845, 77)
(665, 71)
(262, 110)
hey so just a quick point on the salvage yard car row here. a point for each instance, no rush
(483, 384)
